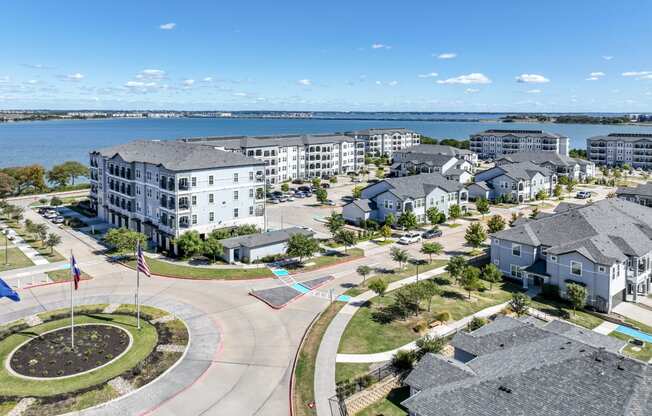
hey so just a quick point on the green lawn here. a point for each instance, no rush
(80, 401)
(644, 354)
(563, 310)
(16, 257)
(64, 275)
(389, 406)
(394, 275)
(365, 335)
(5, 407)
(304, 373)
(350, 371)
(328, 260)
(144, 342)
(201, 273)
(51, 255)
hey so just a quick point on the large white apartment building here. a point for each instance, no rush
(384, 142)
(166, 188)
(617, 149)
(495, 143)
(288, 157)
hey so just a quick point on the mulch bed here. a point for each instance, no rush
(50, 355)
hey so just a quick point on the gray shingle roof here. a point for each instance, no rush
(518, 133)
(644, 189)
(365, 205)
(264, 239)
(539, 158)
(418, 186)
(554, 373)
(244, 142)
(625, 137)
(434, 149)
(523, 170)
(434, 159)
(436, 369)
(604, 231)
(585, 336)
(177, 156)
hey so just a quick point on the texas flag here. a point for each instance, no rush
(7, 292)
(76, 273)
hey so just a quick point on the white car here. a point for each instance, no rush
(410, 238)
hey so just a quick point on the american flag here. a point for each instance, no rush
(76, 272)
(142, 264)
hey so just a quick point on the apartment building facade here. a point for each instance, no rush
(641, 194)
(166, 188)
(385, 142)
(517, 182)
(618, 149)
(494, 143)
(573, 168)
(288, 157)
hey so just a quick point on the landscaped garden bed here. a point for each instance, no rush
(114, 346)
(168, 269)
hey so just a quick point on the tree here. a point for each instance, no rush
(408, 298)
(454, 212)
(570, 187)
(475, 234)
(429, 345)
(346, 238)
(491, 274)
(390, 219)
(434, 216)
(316, 182)
(58, 175)
(357, 191)
(52, 241)
(56, 201)
(212, 248)
(321, 195)
(363, 271)
(380, 173)
(41, 231)
(496, 223)
(30, 177)
(431, 248)
(456, 266)
(400, 256)
(408, 220)
(577, 295)
(515, 217)
(190, 244)
(534, 213)
(430, 289)
(386, 231)
(378, 286)
(403, 360)
(75, 170)
(482, 205)
(520, 303)
(16, 212)
(30, 227)
(301, 246)
(470, 279)
(557, 191)
(334, 222)
(285, 187)
(7, 185)
(541, 195)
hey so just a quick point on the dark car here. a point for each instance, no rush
(325, 185)
(432, 234)
(347, 198)
(305, 189)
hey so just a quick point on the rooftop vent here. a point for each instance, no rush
(504, 389)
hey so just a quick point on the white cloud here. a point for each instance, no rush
(597, 74)
(304, 82)
(392, 83)
(532, 79)
(141, 86)
(75, 77)
(188, 82)
(153, 74)
(636, 73)
(607, 57)
(380, 46)
(4, 79)
(429, 75)
(208, 79)
(168, 26)
(473, 78)
(534, 91)
(447, 55)
(471, 90)
(240, 94)
(648, 76)
(592, 78)
(32, 81)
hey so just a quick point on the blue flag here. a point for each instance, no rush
(8, 292)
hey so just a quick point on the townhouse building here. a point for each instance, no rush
(493, 143)
(386, 141)
(406, 194)
(436, 149)
(166, 188)
(295, 156)
(417, 163)
(618, 149)
(605, 246)
(517, 182)
(573, 168)
(641, 194)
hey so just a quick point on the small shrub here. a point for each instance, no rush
(443, 316)
(420, 327)
(550, 291)
(403, 360)
(476, 323)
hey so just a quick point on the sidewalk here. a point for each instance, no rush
(27, 250)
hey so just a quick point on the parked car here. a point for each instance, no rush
(372, 181)
(11, 234)
(325, 185)
(282, 198)
(583, 195)
(299, 195)
(305, 189)
(410, 238)
(43, 210)
(356, 180)
(290, 198)
(274, 201)
(347, 199)
(58, 220)
(330, 202)
(432, 234)
(50, 214)
(277, 194)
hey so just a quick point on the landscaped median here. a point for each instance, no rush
(111, 357)
(14, 258)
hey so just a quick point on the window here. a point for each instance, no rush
(514, 270)
(251, 176)
(194, 219)
(251, 193)
(251, 210)
(235, 212)
(576, 268)
(497, 262)
(193, 181)
(235, 195)
(516, 250)
(194, 199)
(211, 216)
(210, 198)
(553, 259)
(235, 177)
(210, 180)
(601, 269)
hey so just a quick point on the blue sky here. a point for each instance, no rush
(336, 55)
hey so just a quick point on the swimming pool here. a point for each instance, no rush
(634, 333)
(280, 272)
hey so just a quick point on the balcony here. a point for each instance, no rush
(184, 224)
(183, 186)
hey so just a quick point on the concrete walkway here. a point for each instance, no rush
(635, 312)
(605, 328)
(27, 250)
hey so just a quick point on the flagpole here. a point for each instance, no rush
(138, 284)
(72, 303)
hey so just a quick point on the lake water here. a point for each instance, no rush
(52, 142)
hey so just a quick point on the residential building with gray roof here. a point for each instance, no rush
(494, 143)
(573, 168)
(641, 194)
(516, 367)
(166, 188)
(605, 246)
(518, 182)
(386, 141)
(618, 149)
